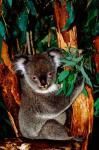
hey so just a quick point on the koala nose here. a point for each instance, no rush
(43, 81)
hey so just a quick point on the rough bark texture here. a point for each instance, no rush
(64, 38)
(82, 110)
(10, 93)
(82, 117)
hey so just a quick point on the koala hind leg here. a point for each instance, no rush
(54, 131)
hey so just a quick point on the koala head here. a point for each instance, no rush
(40, 70)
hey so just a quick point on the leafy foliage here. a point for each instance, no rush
(77, 67)
(96, 105)
(22, 16)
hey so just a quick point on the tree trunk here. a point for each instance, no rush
(82, 109)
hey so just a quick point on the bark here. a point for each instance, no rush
(10, 88)
(11, 96)
(82, 109)
(82, 117)
(64, 38)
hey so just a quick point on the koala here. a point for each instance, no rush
(42, 113)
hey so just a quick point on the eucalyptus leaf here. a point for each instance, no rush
(69, 58)
(85, 92)
(95, 29)
(96, 91)
(10, 2)
(70, 89)
(70, 63)
(59, 91)
(78, 59)
(81, 68)
(96, 113)
(0, 44)
(91, 15)
(96, 104)
(64, 86)
(32, 8)
(71, 77)
(63, 75)
(88, 82)
(2, 30)
(22, 20)
(97, 77)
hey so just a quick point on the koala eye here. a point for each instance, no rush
(34, 78)
(50, 74)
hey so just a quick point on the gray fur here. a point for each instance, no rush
(42, 113)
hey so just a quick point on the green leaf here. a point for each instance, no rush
(70, 89)
(96, 113)
(22, 21)
(70, 63)
(91, 15)
(59, 91)
(2, 30)
(95, 29)
(64, 86)
(32, 8)
(0, 44)
(85, 92)
(45, 39)
(96, 91)
(22, 38)
(78, 59)
(71, 77)
(97, 77)
(81, 68)
(10, 2)
(96, 104)
(63, 75)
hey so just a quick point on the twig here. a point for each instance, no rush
(28, 42)
(13, 124)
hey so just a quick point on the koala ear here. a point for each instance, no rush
(57, 54)
(19, 63)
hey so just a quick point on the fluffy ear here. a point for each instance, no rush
(19, 63)
(57, 54)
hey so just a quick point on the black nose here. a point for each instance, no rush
(43, 80)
